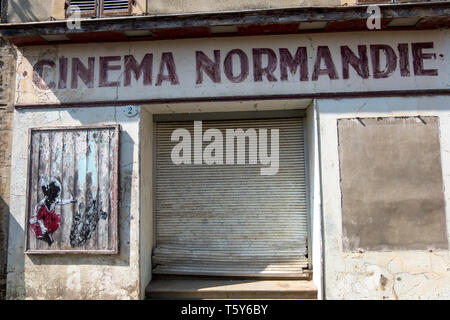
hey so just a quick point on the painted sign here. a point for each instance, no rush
(72, 190)
(242, 67)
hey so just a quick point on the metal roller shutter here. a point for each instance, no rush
(230, 219)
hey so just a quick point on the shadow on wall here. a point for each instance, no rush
(4, 221)
(26, 10)
(15, 281)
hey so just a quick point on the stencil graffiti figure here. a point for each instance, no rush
(76, 168)
(45, 221)
(85, 221)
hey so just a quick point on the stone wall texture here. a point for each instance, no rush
(6, 58)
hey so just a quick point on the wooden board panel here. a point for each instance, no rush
(72, 190)
(391, 184)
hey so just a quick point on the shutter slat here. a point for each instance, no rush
(86, 6)
(115, 5)
(229, 219)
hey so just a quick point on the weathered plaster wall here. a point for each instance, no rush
(46, 10)
(146, 197)
(183, 6)
(399, 274)
(76, 276)
(139, 7)
(6, 117)
(32, 10)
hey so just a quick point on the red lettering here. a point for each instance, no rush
(323, 53)
(145, 67)
(287, 61)
(104, 68)
(85, 74)
(258, 70)
(168, 63)
(211, 68)
(391, 60)
(38, 74)
(419, 56)
(228, 66)
(62, 83)
(404, 59)
(361, 64)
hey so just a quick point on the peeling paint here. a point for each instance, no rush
(75, 276)
(389, 274)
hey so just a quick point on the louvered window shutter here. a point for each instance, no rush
(107, 7)
(87, 7)
(116, 7)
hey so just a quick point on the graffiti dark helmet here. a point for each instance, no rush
(50, 187)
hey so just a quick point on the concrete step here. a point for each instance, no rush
(230, 289)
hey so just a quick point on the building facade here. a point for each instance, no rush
(7, 57)
(160, 147)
